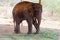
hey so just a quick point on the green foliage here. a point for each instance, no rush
(52, 4)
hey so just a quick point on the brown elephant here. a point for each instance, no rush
(31, 12)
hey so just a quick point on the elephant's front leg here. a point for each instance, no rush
(36, 23)
(37, 27)
(29, 26)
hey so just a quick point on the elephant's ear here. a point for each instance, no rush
(37, 7)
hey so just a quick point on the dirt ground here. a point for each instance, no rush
(6, 27)
(9, 29)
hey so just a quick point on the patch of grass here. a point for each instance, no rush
(42, 35)
(49, 34)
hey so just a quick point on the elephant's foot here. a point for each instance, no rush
(29, 33)
(17, 31)
(36, 32)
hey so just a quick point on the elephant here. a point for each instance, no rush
(29, 11)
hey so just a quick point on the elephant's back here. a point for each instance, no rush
(22, 6)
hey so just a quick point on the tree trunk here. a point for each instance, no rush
(21, 0)
(39, 1)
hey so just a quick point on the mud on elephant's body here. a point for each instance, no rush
(31, 12)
